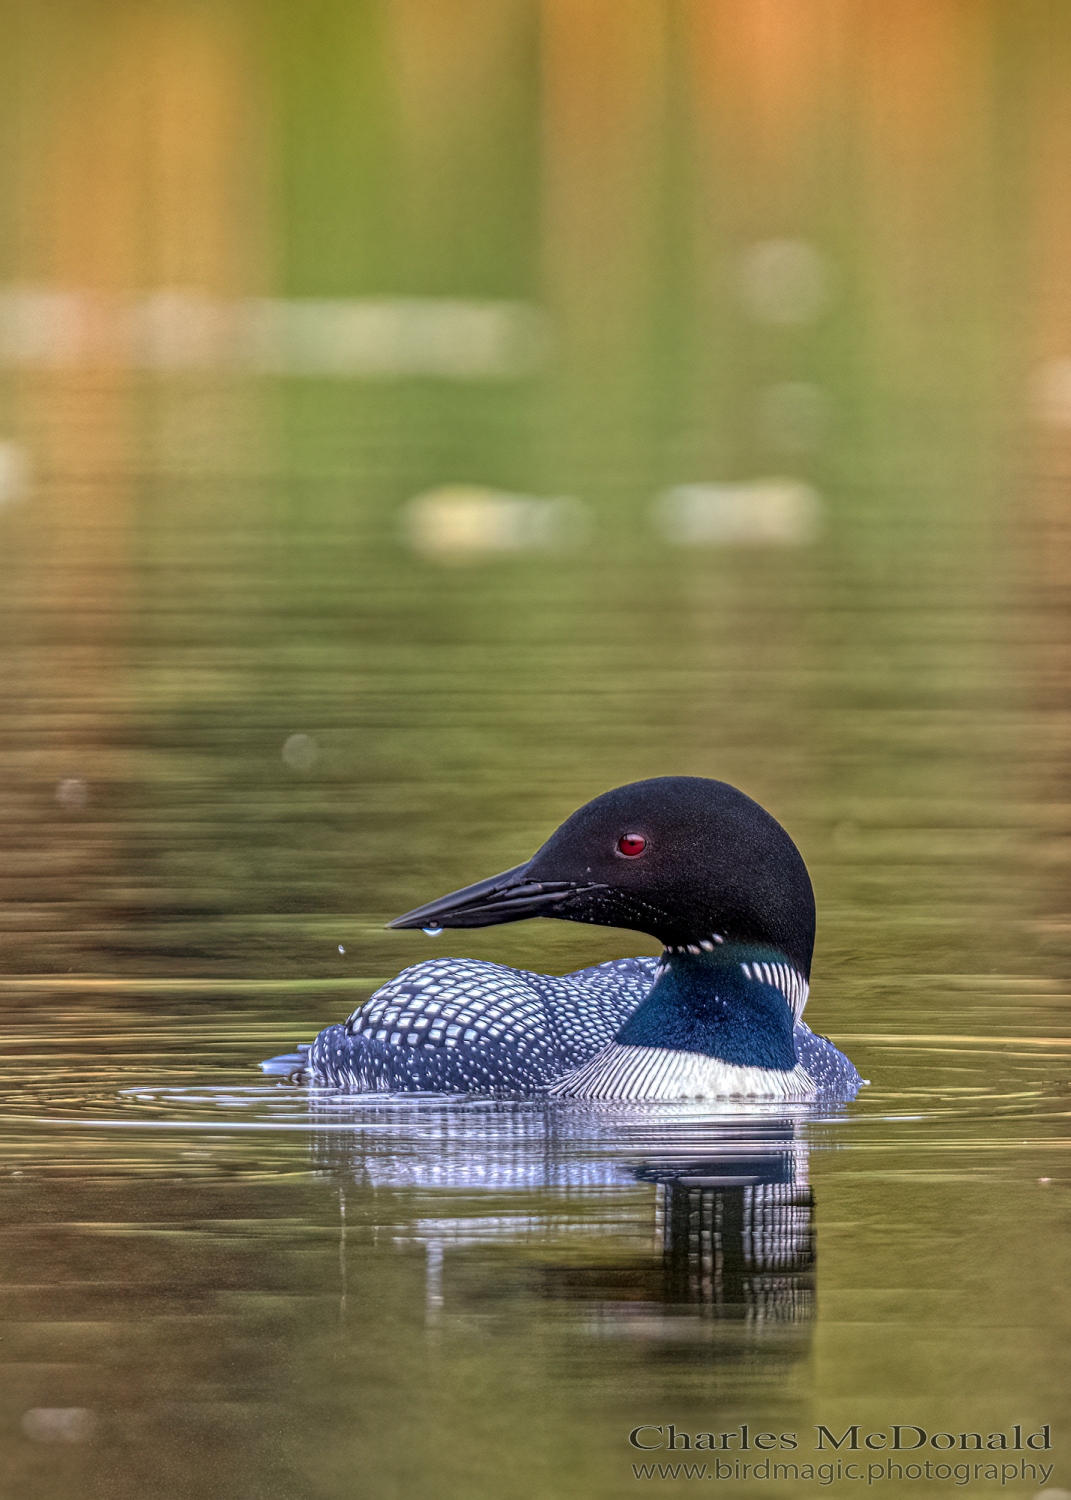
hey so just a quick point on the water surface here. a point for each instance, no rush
(253, 704)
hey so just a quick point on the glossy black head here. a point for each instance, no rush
(679, 857)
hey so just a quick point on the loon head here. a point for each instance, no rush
(688, 860)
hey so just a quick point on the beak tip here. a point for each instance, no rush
(460, 908)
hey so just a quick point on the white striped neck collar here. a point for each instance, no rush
(756, 963)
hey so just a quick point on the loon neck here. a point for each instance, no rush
(732, 1001)
(708, 959)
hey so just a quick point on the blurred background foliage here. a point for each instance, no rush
(417, 416)
(245, 255)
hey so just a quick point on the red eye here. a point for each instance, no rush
(632, 844)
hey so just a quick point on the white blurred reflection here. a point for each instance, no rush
(14, 472)
(300, 752)
(1053, 392)
(72, 793)
(762, 512)
(793, 417)
(58, 1424)
(785, 281)
(183, 329)
(43, 327)
(464, 520)
(399, 336)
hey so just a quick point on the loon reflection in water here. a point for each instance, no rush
(693, 862)
(745, 1248)
(731, 1223)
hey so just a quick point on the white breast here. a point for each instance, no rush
(620, 1071)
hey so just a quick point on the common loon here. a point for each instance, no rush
(693, 862)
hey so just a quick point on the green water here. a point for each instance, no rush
(214, 1285)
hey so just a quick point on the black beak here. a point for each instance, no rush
(509, 897)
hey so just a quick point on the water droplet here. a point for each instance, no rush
(434, 930)
(341, 949)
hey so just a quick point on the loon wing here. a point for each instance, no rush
(462, 1025)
